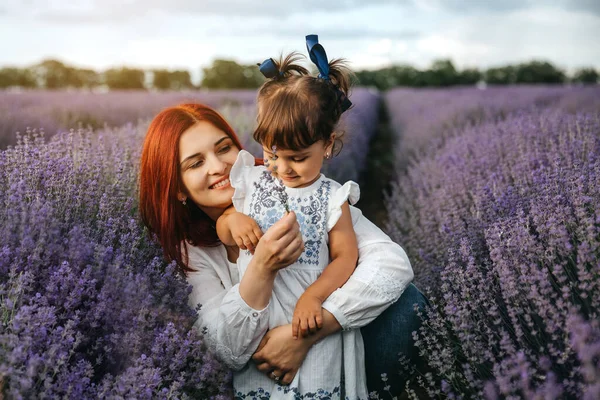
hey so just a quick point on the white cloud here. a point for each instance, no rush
(178, 32)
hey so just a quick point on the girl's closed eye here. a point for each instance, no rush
(298, 160)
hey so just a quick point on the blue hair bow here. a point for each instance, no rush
(319, 58)
(317, 55)
(269, 69)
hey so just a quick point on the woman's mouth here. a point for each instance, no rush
(221, 184)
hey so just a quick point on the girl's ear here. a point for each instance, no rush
(329, 144)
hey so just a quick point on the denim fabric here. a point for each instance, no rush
(390, 335)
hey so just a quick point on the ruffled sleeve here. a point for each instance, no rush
(381, 276)
(239, 176)
(349, 192)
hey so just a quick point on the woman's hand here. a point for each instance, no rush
(280, 354)
(281, 245)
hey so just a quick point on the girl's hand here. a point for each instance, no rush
(281, 245)
(308, 315)
(244, 230)
(279, 353)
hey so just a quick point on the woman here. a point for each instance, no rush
(184, 187)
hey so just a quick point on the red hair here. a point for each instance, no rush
(164, 215)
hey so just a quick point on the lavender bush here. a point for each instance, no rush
(502, 222)
(60, 111)
(88, 308)
(424, 119)
(359, 126)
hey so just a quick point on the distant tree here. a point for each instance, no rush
(441, 73)
(51, 74)
(501, 75)
(586, 75)
(538, 72)
(469, 76)
(17, 77)
(171, 80)
(227, 74)
(88, 78)
(124, 78)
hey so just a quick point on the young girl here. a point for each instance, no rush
(297, 115)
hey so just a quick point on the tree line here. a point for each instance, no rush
(228, 74)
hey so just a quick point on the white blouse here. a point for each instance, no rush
(234, 329)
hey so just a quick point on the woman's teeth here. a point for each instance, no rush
(224, 182)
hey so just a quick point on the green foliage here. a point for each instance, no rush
(10, 76)
(586, 75)
(539, 72)
(163, 79)
(501, 75)
(227, 74)
(124, 78)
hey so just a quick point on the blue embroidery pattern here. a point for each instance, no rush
(311, 212)
(261, 394)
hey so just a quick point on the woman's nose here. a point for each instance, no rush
(216, 166)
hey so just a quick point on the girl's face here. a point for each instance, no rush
(300, 168)
(206, 155)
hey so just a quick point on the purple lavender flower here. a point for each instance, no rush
(500, 219)
(88, 308)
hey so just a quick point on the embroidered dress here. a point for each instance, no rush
(317, 208)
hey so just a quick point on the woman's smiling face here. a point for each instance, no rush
(206, 155)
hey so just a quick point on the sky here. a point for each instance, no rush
(371, 34)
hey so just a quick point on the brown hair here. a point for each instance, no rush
(296, 109)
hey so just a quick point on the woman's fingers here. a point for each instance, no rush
(288, 378)
(264, 367)
(283, 226)
(277, 375)
(295, 327)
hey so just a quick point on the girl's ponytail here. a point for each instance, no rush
(340, 75)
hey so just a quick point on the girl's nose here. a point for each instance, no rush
(284, 167)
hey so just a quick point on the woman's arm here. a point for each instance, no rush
(381, 276)
(343, 253)
(278, 351)
(235, 317)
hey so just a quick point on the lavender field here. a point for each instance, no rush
(497, 202)
(495, 198)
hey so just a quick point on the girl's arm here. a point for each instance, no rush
(343, 252)
(382, 275)
(235, 317)
(237, 229)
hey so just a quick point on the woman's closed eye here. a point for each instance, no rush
(224, 149)
(196, 164)
(297, 160)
